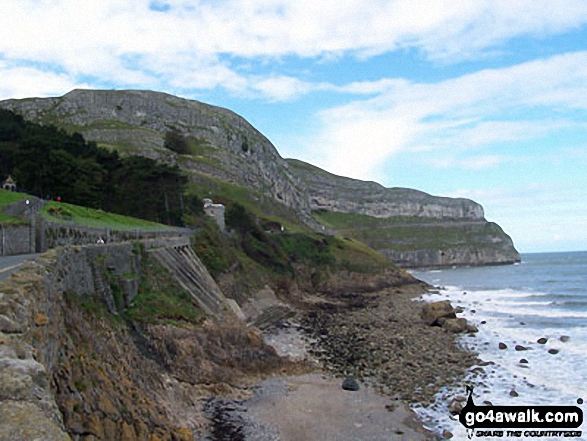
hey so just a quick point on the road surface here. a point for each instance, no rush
(9, 264)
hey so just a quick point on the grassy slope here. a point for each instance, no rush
(404, 233)
(7, 198)
(262, 206)
(89, 217)
(342, 221)
(161, 300)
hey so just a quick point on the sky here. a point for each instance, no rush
(483, 99)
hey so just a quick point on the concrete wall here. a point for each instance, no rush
(217, 212)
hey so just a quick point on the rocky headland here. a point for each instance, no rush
(110, 342)
(412, 228)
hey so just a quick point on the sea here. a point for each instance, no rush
(544, 296)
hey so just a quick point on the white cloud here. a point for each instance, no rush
(23, 82)
(186, 45)
(453, 116)
(284, 88)
(472, 163)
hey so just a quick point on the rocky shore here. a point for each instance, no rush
(381, 340)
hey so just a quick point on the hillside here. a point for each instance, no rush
(222, 145)
(229, 160)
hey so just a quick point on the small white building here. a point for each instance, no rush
(216, 211)
(9, 184)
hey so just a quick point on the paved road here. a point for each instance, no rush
(8, 264)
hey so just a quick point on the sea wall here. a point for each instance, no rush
(45, 361)
(39, 235)
(37, 327)
(53, 234)
(32, 334)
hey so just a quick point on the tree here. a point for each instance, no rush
(176, 142)
(241, 220)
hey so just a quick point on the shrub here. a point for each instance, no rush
(176, 142)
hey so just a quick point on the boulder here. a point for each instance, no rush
(455, 407)
(350, 384)
(471, 329)
(433, 312)
(502, 345)
(455, 325)
(542, 340)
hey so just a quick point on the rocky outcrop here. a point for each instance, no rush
(193, 277)
(443, 314)
(498, 251)
(337, 193)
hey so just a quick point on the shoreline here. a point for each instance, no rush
(377, 338)
(520, 368)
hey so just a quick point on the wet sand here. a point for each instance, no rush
(315, 407)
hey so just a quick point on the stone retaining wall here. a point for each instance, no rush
(15, 239)
(32, 325)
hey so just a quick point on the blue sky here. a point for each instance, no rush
(482, 99)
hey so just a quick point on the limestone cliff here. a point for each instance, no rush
(337, 193)
(412, 228)
(223, 145)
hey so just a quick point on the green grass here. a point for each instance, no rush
(7, 198)
(10, 197)
(93, 305)
(88, 217)
(120, 147)
(343, 221)
(161, 300)
(407, 238)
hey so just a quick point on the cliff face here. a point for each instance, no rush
(412, 228)
(336, 193)
(223, 145)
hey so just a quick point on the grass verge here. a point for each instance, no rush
(89, 217)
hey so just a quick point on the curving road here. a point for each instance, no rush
(9, 264)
